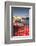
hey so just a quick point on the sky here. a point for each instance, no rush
(20, 11)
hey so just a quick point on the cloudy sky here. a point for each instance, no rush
(20, 11)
